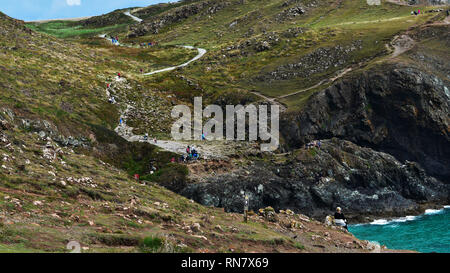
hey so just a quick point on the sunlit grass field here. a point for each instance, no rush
(67, 29)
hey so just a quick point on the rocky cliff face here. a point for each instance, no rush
(314, 181)
(400, 110)
(384, 152)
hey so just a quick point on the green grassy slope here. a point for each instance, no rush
(59, 74)
(52, 193)
(234, 32)
(232, 35)
(66, 29)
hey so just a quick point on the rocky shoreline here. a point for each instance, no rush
(365, 183)
(389, 217)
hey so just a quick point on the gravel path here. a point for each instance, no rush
(125, 131)
(127, 13)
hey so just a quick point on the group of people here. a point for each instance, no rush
(191, 155)
(114, 40)
(314, 144)
(149, 44)
(415, 12)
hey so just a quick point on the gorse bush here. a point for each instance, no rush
(152, 244)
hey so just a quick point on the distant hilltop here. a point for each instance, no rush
(65, 19)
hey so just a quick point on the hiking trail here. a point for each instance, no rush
(399, 45)
(128, 13)
(207, 151)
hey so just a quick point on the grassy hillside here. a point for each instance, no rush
(52, 194)
(67, 29)
(274, 48)
(66, 175)
(249, 41)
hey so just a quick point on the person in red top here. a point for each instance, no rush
(118, 74)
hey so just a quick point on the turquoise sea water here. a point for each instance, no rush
(429, 232)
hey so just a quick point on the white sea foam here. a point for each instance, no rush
(433, 211)
(380, 222)
(404, 219)
(396, 220)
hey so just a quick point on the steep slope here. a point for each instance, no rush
(51, 194)
(66, 176)
(367, 183)
(344, 70)
(400, 107)
(392, 103)
(275, 48)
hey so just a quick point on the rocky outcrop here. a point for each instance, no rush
(252, 45)
(316, 181)
(400, 110)
(153, 26)
(110, 19)
(290, 13)
(318, 61)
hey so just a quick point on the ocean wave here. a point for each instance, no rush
(380, 222)
(405, 219)
(433, 211)
(396, 220)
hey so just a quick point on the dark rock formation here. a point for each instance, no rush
(315, 181)
(399, 110)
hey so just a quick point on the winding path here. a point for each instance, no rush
(399, 45)
(201, 53)
(128, 13)
(126, 131)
